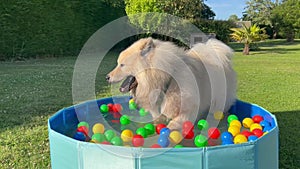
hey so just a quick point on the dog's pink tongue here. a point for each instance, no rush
(127, 84)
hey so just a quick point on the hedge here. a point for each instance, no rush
(34, 28)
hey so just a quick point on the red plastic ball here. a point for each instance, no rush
(258, 132)
(155, 146)
(117, 108)
(187, 125)
(106, 142)
(110, 107)
(159, 127)
(188, 134)
(137, 140)
(116, 115)
(212, 142)
(84, 130)
(257, 119)
(213, 133)
(247, 133)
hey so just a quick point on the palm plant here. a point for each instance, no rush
(248, 35)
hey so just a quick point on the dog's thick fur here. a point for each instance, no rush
(178, 84)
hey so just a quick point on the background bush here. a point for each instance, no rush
(38, 28)
(34, 28)
(219, 27)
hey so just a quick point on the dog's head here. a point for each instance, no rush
(132, 61)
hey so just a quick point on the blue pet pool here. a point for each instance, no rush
(68, 153)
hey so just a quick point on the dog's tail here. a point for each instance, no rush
(212, 52)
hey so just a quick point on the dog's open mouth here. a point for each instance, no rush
(128, 84)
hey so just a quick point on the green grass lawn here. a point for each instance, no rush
(31, 91)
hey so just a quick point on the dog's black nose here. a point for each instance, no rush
(107, 77)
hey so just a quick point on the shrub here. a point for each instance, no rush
(37, 28)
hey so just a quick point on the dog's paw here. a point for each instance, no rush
(174, 125)
(162, 119)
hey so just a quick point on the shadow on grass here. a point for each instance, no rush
(272, 43)
(276, 50)
(269, 46)
(289, 139)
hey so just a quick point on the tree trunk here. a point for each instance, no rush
(246, 49)
(290, 36)
(274, 34)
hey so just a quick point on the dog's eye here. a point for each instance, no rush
(121, 65)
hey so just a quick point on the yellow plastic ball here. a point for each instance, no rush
(238, 139)
(255, 126)
(247, 122)
(218, 115)
(236, 123)
(127, 135)
(131, 101)
(175, 137)
(234, 130)
(98, 128)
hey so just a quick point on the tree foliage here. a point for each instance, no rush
(286, 16)
(248, 35)
(282, 16)
(186, 9)
(259, 11)
(233, 18)
(220, 28)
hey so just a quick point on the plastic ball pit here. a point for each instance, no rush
(67, 152)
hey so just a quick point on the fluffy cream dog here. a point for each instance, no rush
(176, 84)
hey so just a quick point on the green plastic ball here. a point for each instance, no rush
(104, 108)
(132, 106)
(200, 141)
(117, 141)
(98, 137)
(143, 112)
(124, 119)
(83, 123)
(109, 134)
(203, 124)
(178, 146)
(142, 131)
(231, 117)
(150, 128)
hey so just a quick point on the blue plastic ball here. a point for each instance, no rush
(267, 128)
(226, 136)
(165, 131)
(264, 123)
(79, 136)
(226, 142)
(163, 141)
(252, 138)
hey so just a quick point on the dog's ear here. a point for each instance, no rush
(147, 47)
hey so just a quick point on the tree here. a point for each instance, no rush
(259, 12)
(186, 9)
(248, 35)
(233, 18)
(287, 17)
